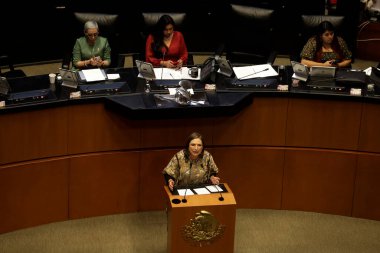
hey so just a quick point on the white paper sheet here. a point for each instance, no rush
(92, 75)
(168, 73)
(254, 71)
(181, 192)
(113, 76)
(214, 188)
(201, 191)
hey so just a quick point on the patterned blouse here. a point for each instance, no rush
(189, 172)
(310, 49)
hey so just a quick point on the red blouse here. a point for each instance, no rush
(176, 51)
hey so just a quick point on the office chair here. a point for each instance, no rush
(250, 36)
(307, 28)
(149, 21)
(6, 61)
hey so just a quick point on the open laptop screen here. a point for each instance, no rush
(322, 71)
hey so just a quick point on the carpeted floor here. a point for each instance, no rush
(257, 230)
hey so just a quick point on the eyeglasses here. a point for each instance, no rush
(92, 35)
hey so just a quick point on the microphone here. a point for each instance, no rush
(163, 58)
(221, 198)
(184, 200)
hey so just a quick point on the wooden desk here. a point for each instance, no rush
(280, 152)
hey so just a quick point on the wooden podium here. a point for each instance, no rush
(203, 223)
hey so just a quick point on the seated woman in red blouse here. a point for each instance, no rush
(166, 47)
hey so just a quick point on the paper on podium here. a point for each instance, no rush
(214, 188)
(201, 191)
(169, 73)
(254, 71)
(92, 75)
(181, 192)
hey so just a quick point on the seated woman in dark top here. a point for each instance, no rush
(326, 49)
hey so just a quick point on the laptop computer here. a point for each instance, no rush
(69, 78)
(322, 71)
(145, 69)
(301, 71)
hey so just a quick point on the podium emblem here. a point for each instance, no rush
(203, 229)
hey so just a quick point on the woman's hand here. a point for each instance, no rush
(179, 64)
(171, 184)
(170, 64)
(96, 61)
(214, 180)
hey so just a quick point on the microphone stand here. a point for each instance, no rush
(221, 198)
(162, 66)
(184, 200)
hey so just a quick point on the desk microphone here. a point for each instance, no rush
(163, 59)
(184, 200)
(221, 198)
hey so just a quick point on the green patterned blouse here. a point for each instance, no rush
(190, 172)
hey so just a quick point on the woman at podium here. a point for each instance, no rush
(192, 165)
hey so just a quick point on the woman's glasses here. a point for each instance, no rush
(92, 35)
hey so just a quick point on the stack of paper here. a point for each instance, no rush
(254, 71)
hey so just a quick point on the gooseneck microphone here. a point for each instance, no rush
(163, 59)
(221, 198)
(184, 200)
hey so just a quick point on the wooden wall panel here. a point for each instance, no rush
(323, 123)
(151, 194)
(262, 123)
(93, 128)
(33, 194)
(370, 128)
(319, 181)
(33, 134)
(367, 188)
(253, 174)
(103, 184)
(173, 132)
